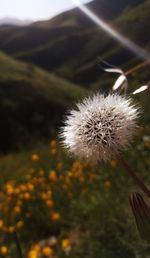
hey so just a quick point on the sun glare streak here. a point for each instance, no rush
(143, 54)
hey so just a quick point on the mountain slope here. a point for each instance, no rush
(32, 102)
(70, 44)
(72, 52)
(68, 24)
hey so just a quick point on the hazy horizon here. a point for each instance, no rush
(33, 10)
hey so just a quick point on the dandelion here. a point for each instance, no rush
(100, 127)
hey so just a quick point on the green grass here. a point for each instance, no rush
(91, 200)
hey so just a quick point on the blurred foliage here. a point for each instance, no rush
(60, 207)
(32, 103)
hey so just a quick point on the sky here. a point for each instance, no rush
(34, 9)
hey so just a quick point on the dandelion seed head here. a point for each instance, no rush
(100, 126)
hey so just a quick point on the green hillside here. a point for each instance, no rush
(70, 43)
(134, 24)
(31, 102)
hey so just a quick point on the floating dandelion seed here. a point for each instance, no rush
(100, 126)
(121, 81)
(141, 89)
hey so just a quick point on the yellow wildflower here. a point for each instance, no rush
(49, 203)
(47, 251)
(44, 196)
(41, 172)
(19, 203)
(36, 247)
(41, 180)
(55, 216)
(23, 188)
(9, 189)
(4, 250)
(19, 224)
(59, 166)
(17, 190)
(113, 163)
(27, 196)
(33, 254)
(30, 187)
(17, 210)
(49, 193)
(52, 175)
(65, 243)
(107, 184)
(53, 144)
(70, 174)
(35, 157)
(53, 151)
(11, 229)
(1, 223)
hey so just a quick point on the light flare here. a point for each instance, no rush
(140, 52)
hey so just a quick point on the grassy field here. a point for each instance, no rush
(54, 206)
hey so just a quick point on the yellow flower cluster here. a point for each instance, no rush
(43, 191)
(46, 249)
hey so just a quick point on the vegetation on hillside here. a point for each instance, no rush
(68, 48)
(60, 207)
(32, 102)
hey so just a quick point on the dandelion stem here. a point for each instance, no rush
(18, 245)
(130, 172)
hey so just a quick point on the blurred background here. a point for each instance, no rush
(51, 55)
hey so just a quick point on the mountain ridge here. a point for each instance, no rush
(71, 51)
(14, 21)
